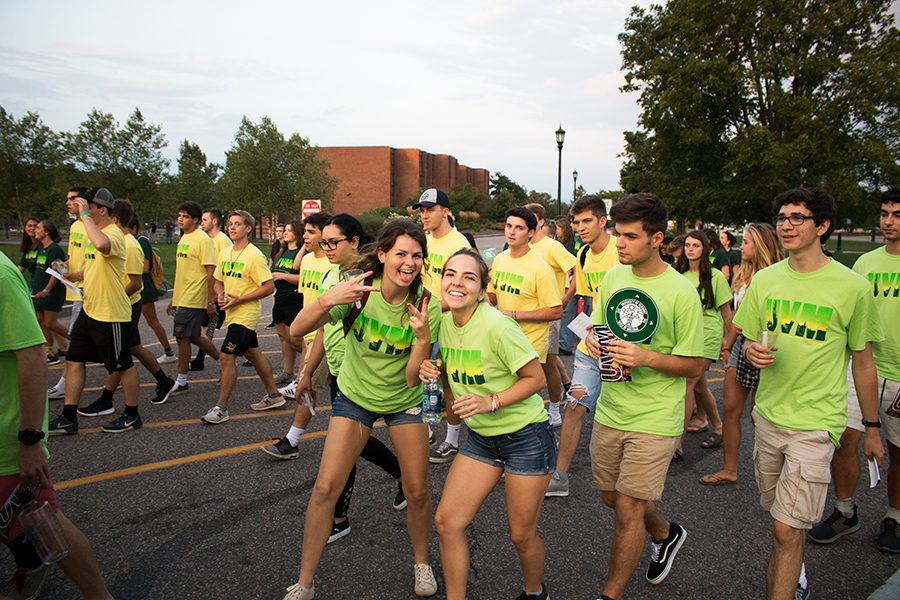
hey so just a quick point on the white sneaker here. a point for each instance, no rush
(290, 390)
(268, 402)
(55, 393)
(215, 415)
(426, 585)
(295, 592)
(165, 359)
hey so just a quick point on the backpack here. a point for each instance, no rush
(157, 276)
(357, 309)
(582, 255)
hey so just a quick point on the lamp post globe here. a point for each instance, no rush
(560, 138)
(574, 184)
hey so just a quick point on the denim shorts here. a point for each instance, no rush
(342, 406)
(528, 451)
(585, 374)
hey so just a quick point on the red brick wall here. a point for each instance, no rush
(408, 169)
(364, 177)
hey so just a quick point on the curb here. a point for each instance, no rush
(890, 590)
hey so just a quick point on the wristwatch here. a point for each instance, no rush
(30, 437)
(876, 424)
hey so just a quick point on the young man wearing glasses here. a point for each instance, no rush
(803, 318)
(443, 240)
(313, 268)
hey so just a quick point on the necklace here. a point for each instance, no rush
(235, 258)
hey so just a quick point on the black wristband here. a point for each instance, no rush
(876, 424)
(30, 437)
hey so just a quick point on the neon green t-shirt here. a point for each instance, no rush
(713, 323)
(19, 329)
(241, 272)
(312, 271)
(523, 284)
(194, 253)
(588, 278)
(817, 319)
(652, 402)
(334, 332)
(558, 258)
(439, 250)
(373, 374)
(883, 272)
(482, 357)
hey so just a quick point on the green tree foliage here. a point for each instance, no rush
(196, 178)
(267, 174)
(501, 183)
(742, 100)
(32, 167)
(467, 197)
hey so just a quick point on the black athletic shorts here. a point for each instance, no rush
(284, 311)
(102, 342)
(135, 329)
(239, 339)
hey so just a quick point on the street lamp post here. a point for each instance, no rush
(560, 138)
(574, 184)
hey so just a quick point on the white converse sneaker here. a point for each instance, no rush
(426, 585)
(296, 592)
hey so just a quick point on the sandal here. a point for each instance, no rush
(714, 479)
(677, 455)
(713, 441)
(696, 427)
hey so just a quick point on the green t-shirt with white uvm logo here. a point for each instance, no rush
(817, 319)
(883, 272)
(376, 351)
(652, 402)
(482, 357)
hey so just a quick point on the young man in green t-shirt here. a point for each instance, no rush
(800, 333)
(655, 315)
(882, 269)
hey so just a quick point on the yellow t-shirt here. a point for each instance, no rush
(104, 292)
(75, 252)
(221, 241)
(312, 273)
(242, 272)
(439, 250)
(524, 283)
(134, 265)
(559, 259)
(195, 251)
(588, 278)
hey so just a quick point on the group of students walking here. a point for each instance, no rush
(418, 304)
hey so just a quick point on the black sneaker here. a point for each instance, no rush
(802, 591)
(282, 449)
(834, 527)
(339, 530)
(544, 595)
(662, 553)
(163, 391)
(196, 365)
(54, 359)
(246, 363)
(60, 425)
(123, 423)
(98, 408)
(400, 498)
(270, 325)
(887, 540)
(178, 389)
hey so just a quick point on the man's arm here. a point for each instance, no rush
(865, 380)
(541, 315)
(99, 239)
(32, 373)
(134, 284)
(210, 290)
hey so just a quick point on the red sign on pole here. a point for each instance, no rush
(310, 207)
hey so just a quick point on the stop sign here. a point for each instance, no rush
(311, 207)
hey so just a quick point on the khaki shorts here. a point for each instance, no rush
(631, 463)
(793, 469)
(854, 412)
(888, 395)
(553, 338)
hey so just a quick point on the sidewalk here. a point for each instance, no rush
(890, 590)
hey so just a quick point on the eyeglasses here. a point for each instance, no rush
(331, 244)
(795, 219)
(71, 197)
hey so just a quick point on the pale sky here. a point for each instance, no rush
(487, 82)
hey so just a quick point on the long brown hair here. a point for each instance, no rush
(767, 251)
(28, 242)
(683, 265)
(295, 227)
(387, 237)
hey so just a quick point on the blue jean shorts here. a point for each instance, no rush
(342, 406)
(528, 451)
(586, 374)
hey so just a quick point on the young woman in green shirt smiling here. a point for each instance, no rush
(495, 376)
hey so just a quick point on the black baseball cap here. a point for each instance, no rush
(432, 197)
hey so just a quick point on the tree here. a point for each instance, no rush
(501, 183)
(467, 197)
(745, 99)
(31, 167)
(267, 174)
(196, 179)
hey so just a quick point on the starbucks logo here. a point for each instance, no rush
(632, 315)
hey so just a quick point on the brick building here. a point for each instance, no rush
(380, 176)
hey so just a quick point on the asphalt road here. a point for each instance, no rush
(185, 510)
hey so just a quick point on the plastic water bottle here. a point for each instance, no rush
(432, 401)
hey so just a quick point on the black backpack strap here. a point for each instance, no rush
(582, 255)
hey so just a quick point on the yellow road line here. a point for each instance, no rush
(180, 422)
(62, 366)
